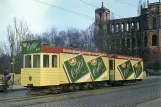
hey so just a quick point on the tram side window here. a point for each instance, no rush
(111, 64)
(36, 61)
(28, 61)
(46, 61)
(54, 61)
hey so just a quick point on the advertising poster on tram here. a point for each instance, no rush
(76, 69)
(97, 68)
(126, 69)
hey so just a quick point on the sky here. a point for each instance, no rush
(41, 17)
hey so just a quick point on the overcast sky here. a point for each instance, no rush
(41, 17)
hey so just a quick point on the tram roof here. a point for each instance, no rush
(124, 57)
(54, 49)
(37, 46)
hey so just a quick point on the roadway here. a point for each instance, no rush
(122, 96)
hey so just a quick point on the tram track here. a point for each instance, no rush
(83, 93)
(93, 94)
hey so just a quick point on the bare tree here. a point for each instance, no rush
(87, 38)
(73, 38)
(16, 33)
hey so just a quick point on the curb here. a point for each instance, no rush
(18, 89)
(15, 88)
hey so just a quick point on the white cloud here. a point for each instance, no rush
(31, 11)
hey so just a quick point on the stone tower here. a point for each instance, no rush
(102, 15)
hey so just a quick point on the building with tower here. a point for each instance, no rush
(136, 36)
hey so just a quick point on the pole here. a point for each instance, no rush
(13, 74)
(159, 23)
(13, 61)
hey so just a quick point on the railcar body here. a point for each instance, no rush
(50, 66)
(125, 68)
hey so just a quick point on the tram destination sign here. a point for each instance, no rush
(33, 46)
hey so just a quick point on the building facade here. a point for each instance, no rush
(136, 36)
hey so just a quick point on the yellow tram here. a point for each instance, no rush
(46, 66)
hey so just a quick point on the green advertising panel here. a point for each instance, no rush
(138, 69)
(75, 68)
(33, 46)
(97, 67)
(126, 69)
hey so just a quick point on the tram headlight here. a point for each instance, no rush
(30, 78)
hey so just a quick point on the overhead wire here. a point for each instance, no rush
(125, 3)
(74, 12)
(61, 8)
(88, 3)
(66, 10)
(97, 7)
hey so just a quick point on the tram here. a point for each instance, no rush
(63, 69)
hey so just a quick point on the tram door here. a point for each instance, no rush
(112, 69)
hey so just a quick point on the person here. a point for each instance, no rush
(147, 73)
(7, 75)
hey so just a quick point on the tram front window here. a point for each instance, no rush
(46, 61)
(36, 61)
(28, 61)
(54, 61)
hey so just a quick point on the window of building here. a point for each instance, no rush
(139, 42)
(122, 27)
(108, 28)
(28, 61)
(108, 17)
(133, 42)
(138, 27)
(154, 22)
(100, 28)
(114, 45)
(117, 28)
(127, 27)
(123, 43)
(46, 61)
(128, 43)
(118, 43)
(112, 28)
(132, 24)
(54, 61)
(100, 14)
(36, 61)
(154, 40)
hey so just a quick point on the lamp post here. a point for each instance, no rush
(13, 61)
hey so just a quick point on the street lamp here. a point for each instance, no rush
(12, 63)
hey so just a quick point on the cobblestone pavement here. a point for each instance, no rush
(128, 96)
